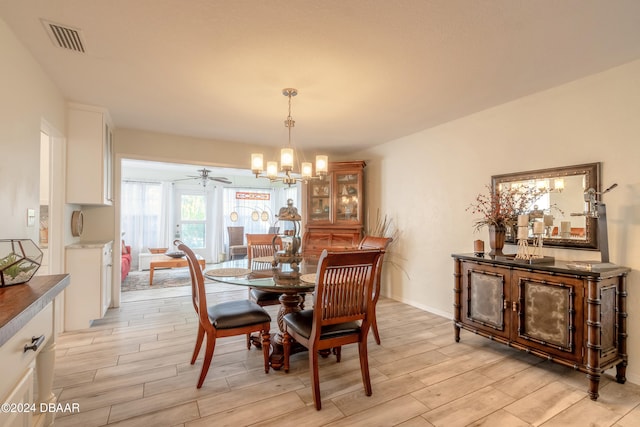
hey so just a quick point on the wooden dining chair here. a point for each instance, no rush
(372, 242)
(342, 311)
(261, 245)
(224, 319)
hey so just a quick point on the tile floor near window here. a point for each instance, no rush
(132, 369)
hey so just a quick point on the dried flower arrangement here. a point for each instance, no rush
(382, 227)
(385, 227)
(501, 208)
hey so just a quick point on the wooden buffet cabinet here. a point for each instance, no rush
(333, 214)
(573, 317)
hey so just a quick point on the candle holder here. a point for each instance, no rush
(523, 243)
(537, 246)
(478, 248)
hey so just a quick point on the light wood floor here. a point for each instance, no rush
(132, 369)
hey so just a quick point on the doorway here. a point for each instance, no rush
(194, 224)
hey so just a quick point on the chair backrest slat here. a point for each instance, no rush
(344, 286)
(259, 245)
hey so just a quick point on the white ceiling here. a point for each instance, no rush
(367, 71)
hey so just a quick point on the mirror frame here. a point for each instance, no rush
(592, 180)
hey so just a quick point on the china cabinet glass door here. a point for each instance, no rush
(347, 197)
(320, 201)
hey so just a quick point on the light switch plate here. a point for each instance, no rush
(31, 217)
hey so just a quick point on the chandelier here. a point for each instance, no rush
(287, 158)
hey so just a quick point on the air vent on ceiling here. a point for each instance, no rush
(65, 37)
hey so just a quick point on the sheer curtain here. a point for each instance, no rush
(167, 216)
(217, 221)
(143, 218)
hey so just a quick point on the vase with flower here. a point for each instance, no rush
(499, 210)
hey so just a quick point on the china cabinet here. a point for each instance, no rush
(89, 156)
(89, 295)
(576, 318)
(334, 209)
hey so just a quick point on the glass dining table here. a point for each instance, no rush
(261, 275)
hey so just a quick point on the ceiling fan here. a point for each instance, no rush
(204, 178)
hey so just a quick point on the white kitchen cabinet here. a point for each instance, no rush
(27, 350)
(22, 393)
(89, 155)
(88, 296)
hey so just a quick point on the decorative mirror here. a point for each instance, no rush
(562, 203)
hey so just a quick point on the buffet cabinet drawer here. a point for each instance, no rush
(16, 361)
(315, 242)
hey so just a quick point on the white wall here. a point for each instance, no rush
(28, 97)
(426, 181)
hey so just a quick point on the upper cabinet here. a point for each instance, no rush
(334, 209)
(336, 200)
(89, 156)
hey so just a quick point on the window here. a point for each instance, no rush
(193, 217)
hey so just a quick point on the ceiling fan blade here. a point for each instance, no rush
(221, 179)
(204, 176)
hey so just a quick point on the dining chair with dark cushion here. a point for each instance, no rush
(341, 314)
(262, 245)
(372, 242)
(225, 319)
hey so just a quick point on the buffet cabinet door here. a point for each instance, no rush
(546, 312)
(485, 292)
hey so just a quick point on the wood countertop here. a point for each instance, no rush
(20, 303)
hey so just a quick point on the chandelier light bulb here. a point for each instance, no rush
(272, 169)
(306, 170)
(257, 163)
(286, 159)
(322, 165)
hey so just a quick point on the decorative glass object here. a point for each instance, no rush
(19, 261)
